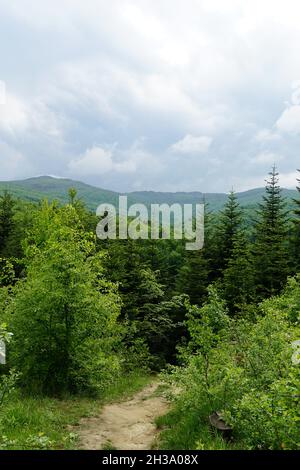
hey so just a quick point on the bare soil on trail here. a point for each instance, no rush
(127, 425)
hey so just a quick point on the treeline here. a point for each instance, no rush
(83, 311)
(249, 260)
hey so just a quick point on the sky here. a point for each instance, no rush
(165, 95)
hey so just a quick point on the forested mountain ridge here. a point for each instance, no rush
(38, 188)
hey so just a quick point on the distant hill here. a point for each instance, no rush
(41, 187)
(36, 189)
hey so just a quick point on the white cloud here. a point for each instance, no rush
(13, 114)
(295, 99)
(289, 121)
(2, 92)
(266, 158)
(101, 161)
(95, 161)
(12, 163)
(192, 145)
(289, 180)
(267, 135)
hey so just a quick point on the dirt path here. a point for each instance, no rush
(128, 425)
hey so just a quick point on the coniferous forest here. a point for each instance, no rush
(85, 321)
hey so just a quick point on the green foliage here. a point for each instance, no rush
(185, 428)
(295, 243)
(238, 283)
(152, 318)
(229, 226)
(85, 314)
(8, 383)
(245, 371)
(36, 422)
(204, 324)
(192, 278)
(63, 315)
(7, 380)
(7, 273)
(30, 423)
(162, 326)
(270, 249)
(7, 204)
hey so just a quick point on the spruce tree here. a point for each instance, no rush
(193, 276)
(270, 249)
(238, 283)
(7, 204)
(229, 225)
(296, 233)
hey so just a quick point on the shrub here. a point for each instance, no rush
(245, 370)
(64, 313)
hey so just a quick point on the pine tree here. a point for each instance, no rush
(229, 226)
(270, 250)
(7, 204)
(295, 239)
(193, 276)
(296, 234)
(238, 283)
(124, 266)
(298, 200)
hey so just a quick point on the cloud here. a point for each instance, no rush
(97, 161)
(146, 74)
(13, 114)
(295, 99)
(289, 180)
(12, 163)
(289, 121)
(267, 135)
(2, 92)
(192, 145)
(267, 158)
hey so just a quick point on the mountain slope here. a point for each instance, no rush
(36, 189)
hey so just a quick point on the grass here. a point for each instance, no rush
(189, 430)
(108, 446)
(127, 386)
(49, 423)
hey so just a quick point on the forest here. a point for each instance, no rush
(85, 320)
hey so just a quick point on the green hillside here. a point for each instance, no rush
(36, 189)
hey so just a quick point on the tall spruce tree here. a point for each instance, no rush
(296, 233)
(193, 276)
(270, 248)
(7, 204)
(238, 284)
(229, 226)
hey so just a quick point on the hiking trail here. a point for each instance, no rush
(125, 425)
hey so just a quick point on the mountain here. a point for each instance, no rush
(38, 188)
(41, 187)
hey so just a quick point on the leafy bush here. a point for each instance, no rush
(7, 380)
(245, 371)
(64, 313)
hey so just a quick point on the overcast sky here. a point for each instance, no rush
(171, 95)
